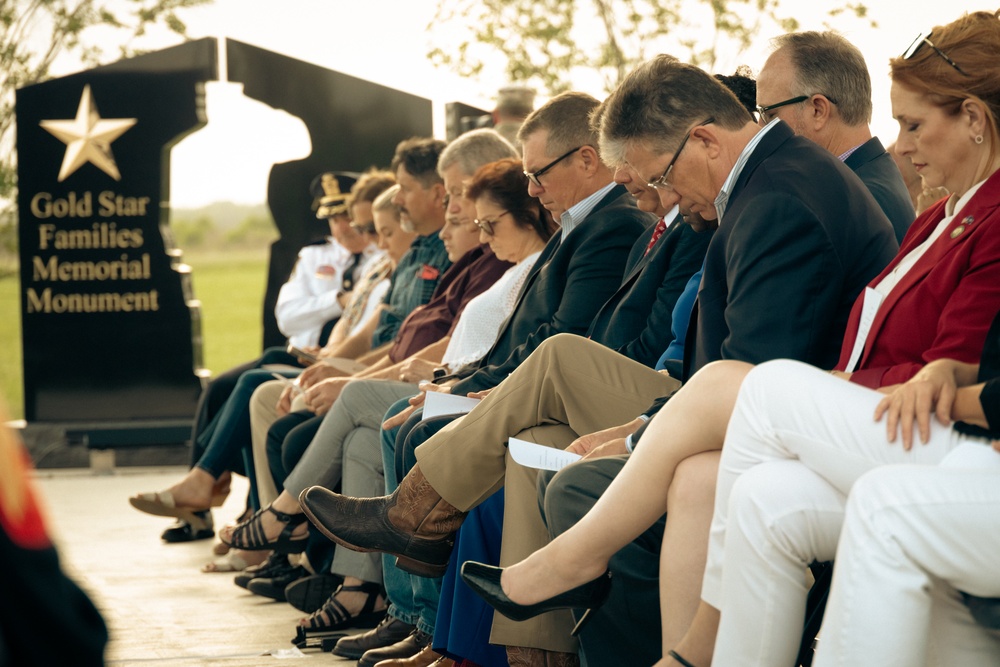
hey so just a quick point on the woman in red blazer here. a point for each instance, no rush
(942, 306)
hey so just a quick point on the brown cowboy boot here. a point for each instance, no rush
(414, 523)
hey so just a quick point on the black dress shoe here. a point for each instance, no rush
(407, 648)
(274, 587)
(182, 531)
(388, 632)
(485, 581)
(275, 566)
(309, 593)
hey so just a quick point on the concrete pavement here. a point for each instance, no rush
(160, 608)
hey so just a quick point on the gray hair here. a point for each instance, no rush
(612, 151)
(659, 101)
(384, 201)
(567, 119)
(473, 149)
(827, 64)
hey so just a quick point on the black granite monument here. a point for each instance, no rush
(110, 328)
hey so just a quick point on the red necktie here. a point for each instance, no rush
(661, 226)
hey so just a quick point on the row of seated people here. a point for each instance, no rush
(934, 300)
(331, 297)
(416, 252)
(545, 419)
(686, 271)
(521, 241)
(502, 263)
(645, 244)
(803, 265)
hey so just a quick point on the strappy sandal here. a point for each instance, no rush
(333, 616)
(162, 503)
(250, 535)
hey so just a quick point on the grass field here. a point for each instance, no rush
(230, 286)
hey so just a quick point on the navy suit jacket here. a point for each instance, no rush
(565, 287)
(636, 321)
(800, 239)
(875, 168)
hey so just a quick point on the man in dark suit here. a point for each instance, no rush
(582, 265)
(637, 319)
(818, 83)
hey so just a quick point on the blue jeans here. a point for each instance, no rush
(412, 599)
(230, 436)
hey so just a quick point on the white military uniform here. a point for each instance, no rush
(308, 300)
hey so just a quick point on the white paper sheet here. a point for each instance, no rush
(532, 455)
(437, 404)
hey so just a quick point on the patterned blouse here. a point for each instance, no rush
(479, 325)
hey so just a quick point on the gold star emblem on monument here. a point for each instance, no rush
(88, 138)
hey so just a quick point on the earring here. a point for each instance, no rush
(978, 139)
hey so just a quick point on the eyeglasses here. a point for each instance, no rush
(662, 183)
(924, 38)
(487, 225)
(762, 112)
(364, 227)
(765, 116)
(533, 175)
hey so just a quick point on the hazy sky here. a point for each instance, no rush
(386, 41)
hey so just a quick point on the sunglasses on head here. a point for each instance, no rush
(925, 38)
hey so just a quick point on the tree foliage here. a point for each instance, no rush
(538, 38)
(34, 33)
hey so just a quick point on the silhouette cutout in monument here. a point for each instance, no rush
(353, 124)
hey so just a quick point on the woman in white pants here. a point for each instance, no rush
(797, 442)
(913, 536)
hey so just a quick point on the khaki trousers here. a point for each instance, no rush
(568, 380)
(569, 386)
(524, 532)
(263, 413)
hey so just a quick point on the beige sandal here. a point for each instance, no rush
(236, 560)
(162, 503)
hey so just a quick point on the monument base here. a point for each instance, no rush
(132, 443)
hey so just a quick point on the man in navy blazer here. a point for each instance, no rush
(818, 83)
(582, 264)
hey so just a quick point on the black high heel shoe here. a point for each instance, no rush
(485, 581)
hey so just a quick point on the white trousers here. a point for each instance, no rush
(798, 440)
(914, 536)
